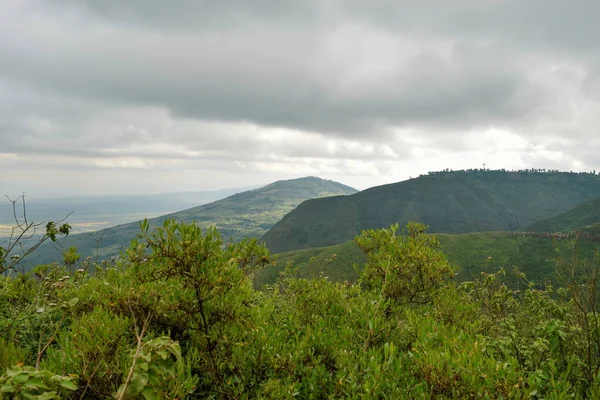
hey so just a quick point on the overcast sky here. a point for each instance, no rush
(113, 96)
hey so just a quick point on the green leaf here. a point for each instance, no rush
(21, 377)
(73, 302)
(163, 354)
(7, 388)
(67, 384)
(150, 394)
(35, 385)
(138, 382)
(46, 396)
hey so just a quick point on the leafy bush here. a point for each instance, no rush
(157, 372)
(406, 269)
(177, 317)
(29, 383)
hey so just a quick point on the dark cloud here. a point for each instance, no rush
(257, 77)
(350, 83)
(194, 14)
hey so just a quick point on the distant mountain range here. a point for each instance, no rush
(484, 220)
(541, 250)
(249, 213)
(449, 202)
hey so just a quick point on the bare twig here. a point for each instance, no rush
(23, 231)
(97, 240)
(42, 350)
(87, 385)
(139, 335)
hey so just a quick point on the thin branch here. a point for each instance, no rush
(140, 343)
(23, 231)
(48, 343)
(87, 386)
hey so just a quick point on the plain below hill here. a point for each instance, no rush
(448, 201)
(247, 214)
(582, 216)
(93, 212)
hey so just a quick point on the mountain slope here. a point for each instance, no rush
(581, 216)
(89, 212)
(449, 202)
(249, 213)
(473, 253)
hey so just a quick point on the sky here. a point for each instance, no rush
(153, 96)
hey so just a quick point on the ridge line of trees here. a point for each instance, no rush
(503, 170)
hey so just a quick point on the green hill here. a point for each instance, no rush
(449, 202)
(581, 216)
(93, 212)
(246, 214)
(472, 253)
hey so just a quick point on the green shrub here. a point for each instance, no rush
(96, 347)
(179, 318)
(157, 371)
(406, 269)
(21, 382)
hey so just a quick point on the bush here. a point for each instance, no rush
(406, 269)
(178, 318)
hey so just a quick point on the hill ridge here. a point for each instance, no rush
(447, 201)
(248, 213)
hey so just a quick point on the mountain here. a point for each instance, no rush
(541, 257)
(581, 216)
(249, 213)
(89, 213)
(449, 202)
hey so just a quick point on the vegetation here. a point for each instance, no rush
(179, 318)
(338, 263)
(472, 254)
(246, 214)
(185, 312)
(89, 213)
(583, 215)
(448, 201)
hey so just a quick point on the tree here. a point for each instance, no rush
(406, 269)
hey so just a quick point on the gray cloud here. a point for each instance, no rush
(314, 79)
(345, 82)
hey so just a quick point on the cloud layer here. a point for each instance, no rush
(185, 95)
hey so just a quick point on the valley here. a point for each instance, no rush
(308, 286)
(91, 213)
(318, 219)
(249, 213)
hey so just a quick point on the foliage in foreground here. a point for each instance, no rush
(178, 318)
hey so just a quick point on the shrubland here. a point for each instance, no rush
(177, 316)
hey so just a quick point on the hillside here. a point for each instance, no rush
(472, 253)
(581, 216)
(249, 213)
(89, 213)
(449, 202)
